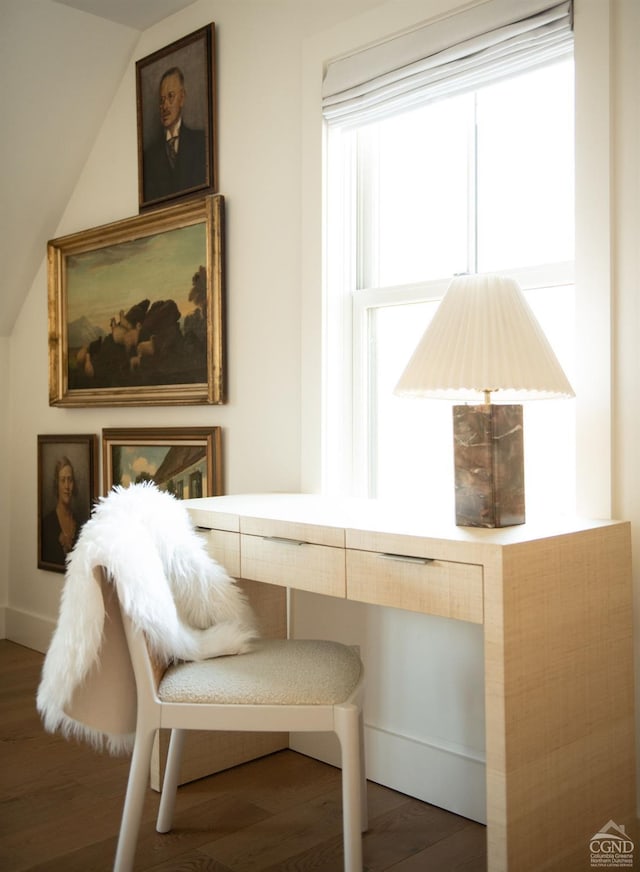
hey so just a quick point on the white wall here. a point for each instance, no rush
(5, 500)
(259, 54)
(608, 272)
(47, 136)
(626, 325)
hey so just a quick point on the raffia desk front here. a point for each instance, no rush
(555, 601)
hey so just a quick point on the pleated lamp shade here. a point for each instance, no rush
(484, 337)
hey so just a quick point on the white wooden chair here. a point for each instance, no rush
(283, 685)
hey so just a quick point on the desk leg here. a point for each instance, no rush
(559, 698)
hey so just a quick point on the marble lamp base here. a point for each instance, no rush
(489, 465)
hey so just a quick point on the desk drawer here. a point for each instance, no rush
(224, 547)
(292, 563)
(437, 587)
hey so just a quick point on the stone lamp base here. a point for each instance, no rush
(489, 465)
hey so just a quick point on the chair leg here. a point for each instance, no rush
(364, 811)
(347, 725)
(134, 800)
(170, 782)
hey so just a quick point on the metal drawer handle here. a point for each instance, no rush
(407, 558)
(284, 540)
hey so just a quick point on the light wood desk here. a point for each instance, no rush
(555, 602)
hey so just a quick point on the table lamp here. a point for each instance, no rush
(485, 342)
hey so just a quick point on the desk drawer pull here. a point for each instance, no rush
(407, 558)
(284, 540)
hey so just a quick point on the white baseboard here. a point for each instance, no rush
(24, 628)
(450, 777)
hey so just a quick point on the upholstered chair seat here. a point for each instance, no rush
(277, 672)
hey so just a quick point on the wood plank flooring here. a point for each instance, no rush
(60, 806)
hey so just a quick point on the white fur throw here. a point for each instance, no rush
(186, 604)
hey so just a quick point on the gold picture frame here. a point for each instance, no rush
(136, 310)
(187, 462)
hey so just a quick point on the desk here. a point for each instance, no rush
(556, 604)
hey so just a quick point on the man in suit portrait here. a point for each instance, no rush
(175, 162)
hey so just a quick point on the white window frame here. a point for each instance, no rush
(350, 458)
(593, 275)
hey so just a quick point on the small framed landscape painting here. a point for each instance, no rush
(185, 462)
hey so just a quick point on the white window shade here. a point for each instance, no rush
(491, 40)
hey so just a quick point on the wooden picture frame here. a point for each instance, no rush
(187, 462)
(177, 82)
(136, 310)
(67, 491)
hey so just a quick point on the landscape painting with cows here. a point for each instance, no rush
(144, 321)
(135, 315)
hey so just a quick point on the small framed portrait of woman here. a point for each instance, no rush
(67, 490)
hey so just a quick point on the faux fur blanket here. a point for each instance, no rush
(140, 541)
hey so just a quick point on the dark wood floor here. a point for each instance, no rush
(60, 806)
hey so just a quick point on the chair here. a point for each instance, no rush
(282, 685)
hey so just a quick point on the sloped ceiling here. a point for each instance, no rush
(44, 140)
(139, 14)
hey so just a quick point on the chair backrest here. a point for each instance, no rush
(106, 699)
(147, 669)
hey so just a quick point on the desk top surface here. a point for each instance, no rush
(410, 519)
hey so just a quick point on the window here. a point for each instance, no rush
(481, 181)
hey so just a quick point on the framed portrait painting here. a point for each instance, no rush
(136, 310)
(176, 107)
(185, 462)
(67, 490)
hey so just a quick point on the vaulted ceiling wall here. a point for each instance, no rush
(54, 59)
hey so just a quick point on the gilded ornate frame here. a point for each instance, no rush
(105, 347)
